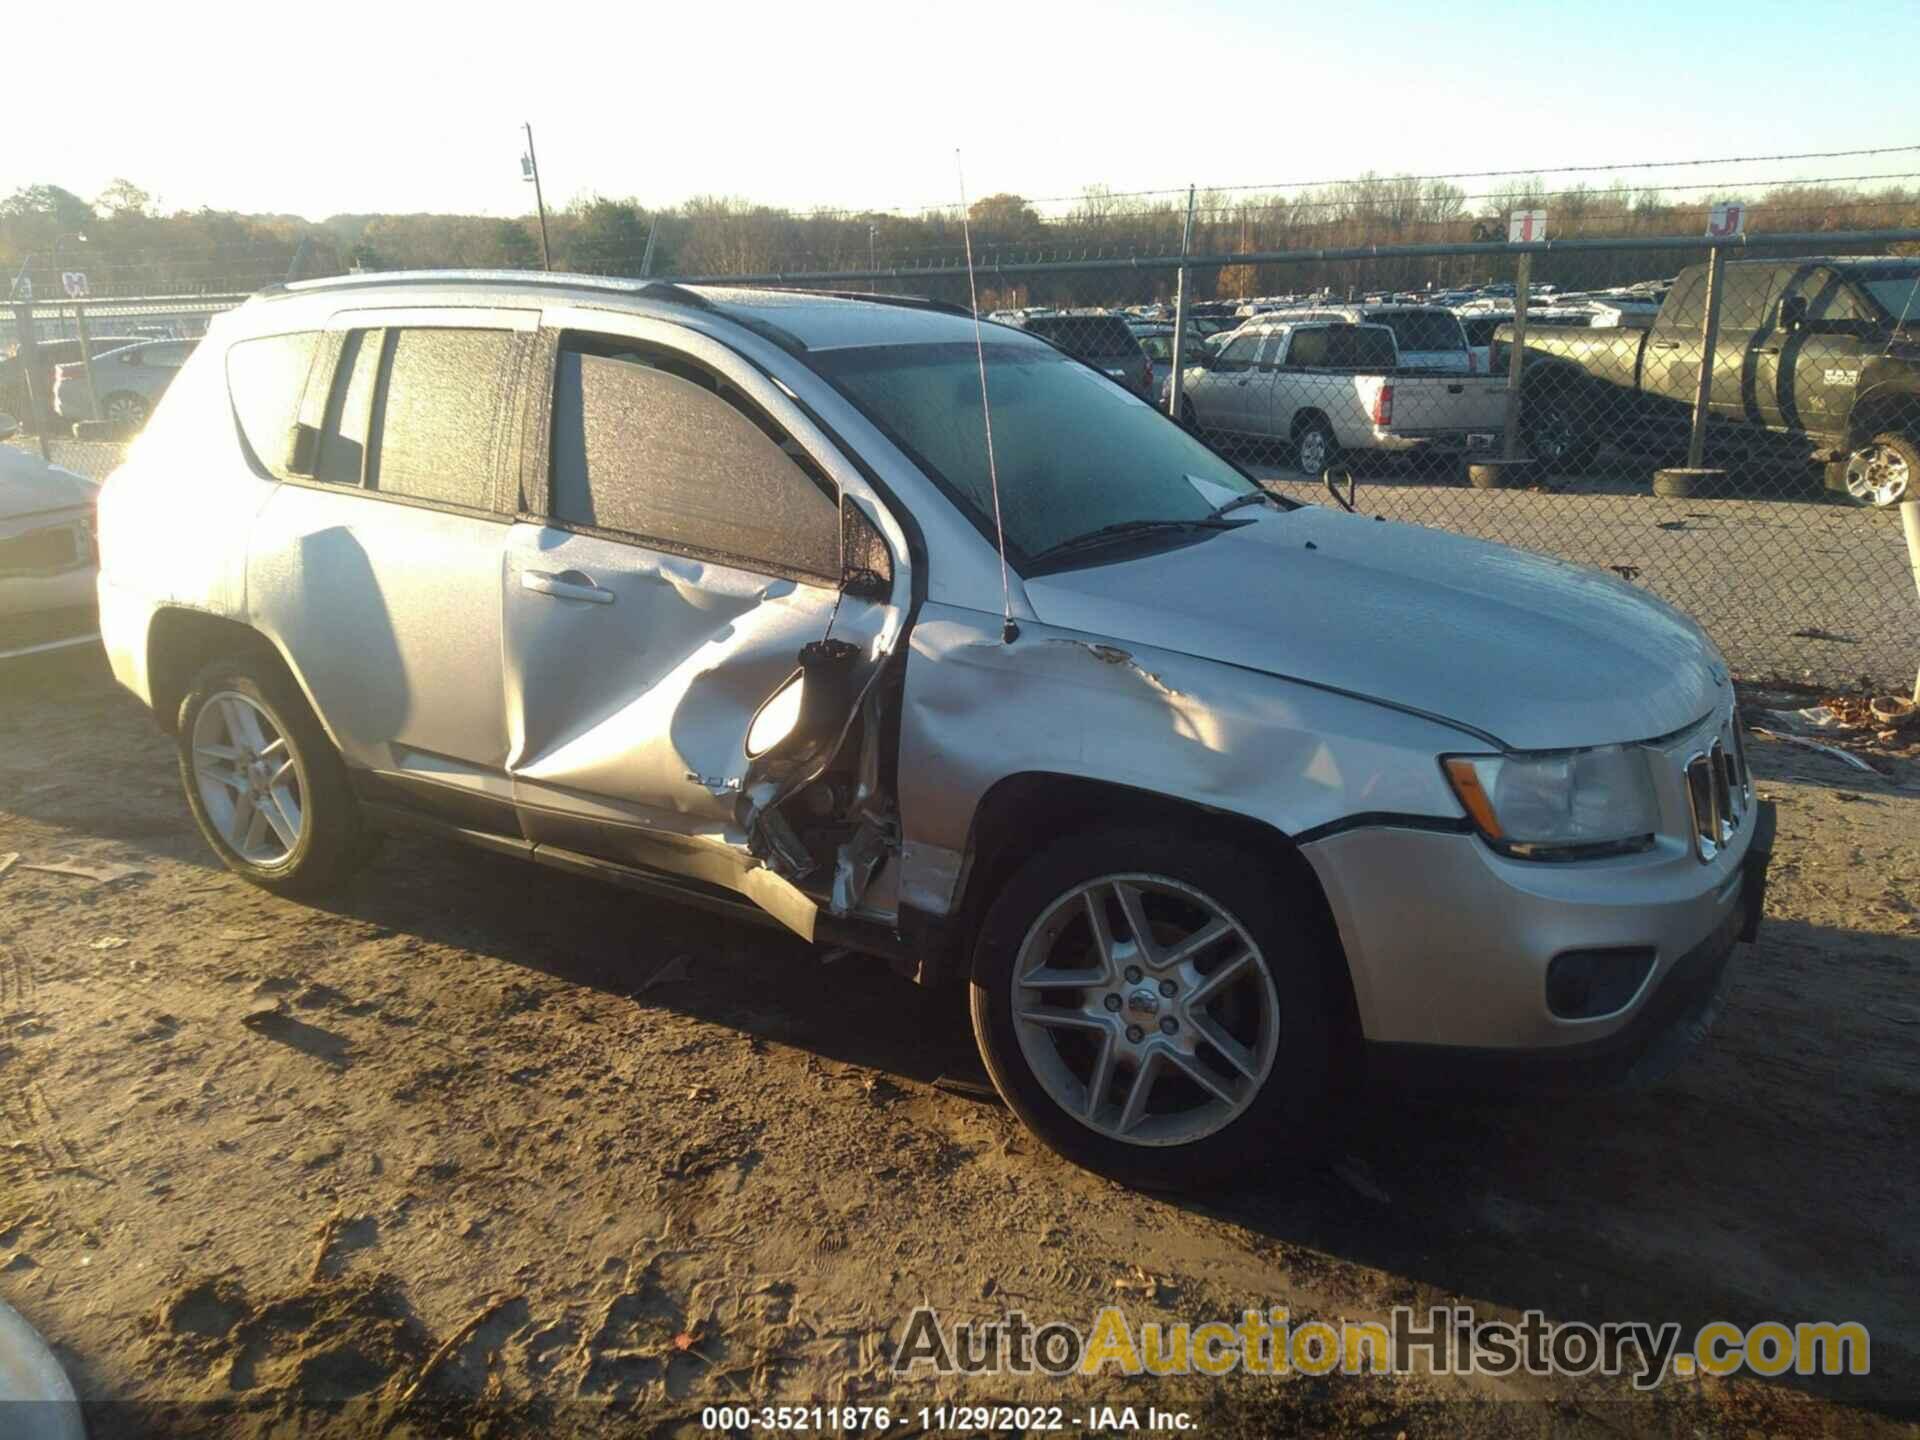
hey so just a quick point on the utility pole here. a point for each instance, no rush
(530, 170)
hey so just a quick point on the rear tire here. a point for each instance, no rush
(1882, 472)
(1554, 436)
(1068, 1057)
(269, 791)
(1315, 451)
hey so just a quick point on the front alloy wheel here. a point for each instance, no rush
(1145, 1009)
(1151, 1005)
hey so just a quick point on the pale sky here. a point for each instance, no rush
(315, 109)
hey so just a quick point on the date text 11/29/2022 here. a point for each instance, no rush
(936, 1419)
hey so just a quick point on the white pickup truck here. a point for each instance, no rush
(1322, 388)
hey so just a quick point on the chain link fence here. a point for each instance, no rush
(1732, 434)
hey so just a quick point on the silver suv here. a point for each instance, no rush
(1206, 794)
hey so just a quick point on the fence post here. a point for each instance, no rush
(1709, 337)
(29, 352)
(1174, 382)
(1522, 285)
(1910, 523)
(86, 359)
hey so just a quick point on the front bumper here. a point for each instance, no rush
(1671, 1022)
(1449, 944)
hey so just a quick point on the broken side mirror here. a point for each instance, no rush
(1793, 313)
(808, 712)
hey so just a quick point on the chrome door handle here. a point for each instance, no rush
(567, 585)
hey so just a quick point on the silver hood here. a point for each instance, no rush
(30, 486)
(1537, 652)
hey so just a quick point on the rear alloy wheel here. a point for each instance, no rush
(1882, 473)
(125, 408)
(1314, 449)
(1150, 1007)
(267, 787)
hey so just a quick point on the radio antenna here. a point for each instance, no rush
(1009, 632)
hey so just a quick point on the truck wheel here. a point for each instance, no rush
(1882, 472)
(1314, 448)
(1554, 436)
(1150, 1005)
(267, 787)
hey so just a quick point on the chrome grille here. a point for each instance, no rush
(1716, 795)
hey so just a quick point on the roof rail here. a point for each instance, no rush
(607, 284)
(910, 302)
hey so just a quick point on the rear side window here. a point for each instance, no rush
(265, 378)
(1361, 347)
(660, 455)
(1421, 329)
(1309, 349)
(447, 399)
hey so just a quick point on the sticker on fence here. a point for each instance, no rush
(1726, 221)
(1526, 226)
(74, 282)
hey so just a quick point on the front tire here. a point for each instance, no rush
(269, 791)
(1151, 1006)
(1882, 473)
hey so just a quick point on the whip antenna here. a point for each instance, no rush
(1009, 632)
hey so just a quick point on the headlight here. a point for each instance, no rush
(1570, 804)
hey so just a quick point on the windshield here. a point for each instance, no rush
(1898, 295)
(1420, 329)
(1075, 452)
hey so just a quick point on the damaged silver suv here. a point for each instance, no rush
(715, 593)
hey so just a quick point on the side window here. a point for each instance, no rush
(648, 446)
(1309, 349)
(1752, 292)
(265, 379)
(1686, 305)
(1239, 352)
(446, 398)
(347, 426)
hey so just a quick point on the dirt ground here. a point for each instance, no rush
(481, 1149)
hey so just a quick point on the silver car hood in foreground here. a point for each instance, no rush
(1536, 652)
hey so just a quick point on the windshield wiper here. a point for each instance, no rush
(1252, 497)
(1123, 529)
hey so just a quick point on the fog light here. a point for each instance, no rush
(1586, 984)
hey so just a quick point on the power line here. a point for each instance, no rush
(1529, 171)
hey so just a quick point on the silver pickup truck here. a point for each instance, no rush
(1323, 388)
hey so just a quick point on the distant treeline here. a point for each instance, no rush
(131, 249)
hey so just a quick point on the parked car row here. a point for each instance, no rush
(131, 381)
